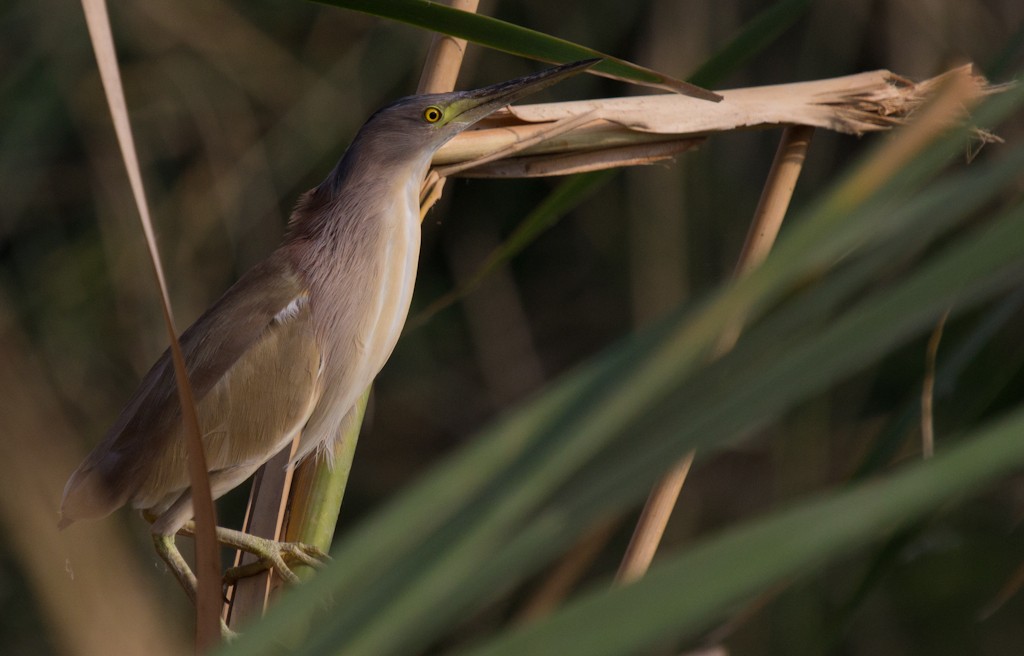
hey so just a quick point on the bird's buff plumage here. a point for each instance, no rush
(291, 346)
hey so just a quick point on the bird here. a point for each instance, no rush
(288, 350)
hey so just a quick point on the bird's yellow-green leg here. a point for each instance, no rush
(168, 552)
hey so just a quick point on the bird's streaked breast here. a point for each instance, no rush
(362, 306)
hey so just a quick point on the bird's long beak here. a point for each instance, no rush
(480, 102)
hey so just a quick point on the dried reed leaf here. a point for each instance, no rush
(537, 166)
(207, 565)
(854, 104)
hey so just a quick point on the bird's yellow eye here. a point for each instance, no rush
(432, 114)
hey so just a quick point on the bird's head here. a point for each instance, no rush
(394, 147)
(419, 125)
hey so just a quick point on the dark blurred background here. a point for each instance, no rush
(238, 107)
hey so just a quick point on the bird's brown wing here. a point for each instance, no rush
(253, 364)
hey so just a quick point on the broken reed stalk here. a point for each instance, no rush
(305, 507)
(949, 103)
(764, 229)
(855, 104)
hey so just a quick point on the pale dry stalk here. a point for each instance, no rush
(764, 229)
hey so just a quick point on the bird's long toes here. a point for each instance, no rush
(233, 575)
(283, 570)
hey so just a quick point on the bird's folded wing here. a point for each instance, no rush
(253, 365)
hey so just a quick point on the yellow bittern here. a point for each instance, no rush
(288, 350)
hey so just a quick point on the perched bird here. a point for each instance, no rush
(292, 345)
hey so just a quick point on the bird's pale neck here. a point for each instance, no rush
(372, 186)
(355, 241)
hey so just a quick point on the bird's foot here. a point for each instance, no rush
(270, 554)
